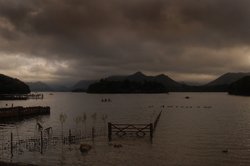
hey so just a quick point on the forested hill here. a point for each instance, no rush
(10, 85)
(240, 87)
(127, 86)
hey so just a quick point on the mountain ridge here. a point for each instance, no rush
(219, 84)
(134, 81)
(240, 87)
(141, 77)
(228, 78)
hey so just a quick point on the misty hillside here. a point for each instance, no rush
(126, 86)
(240, 87)
(227, 79)
(82, 85)
(39, 87)
(43, 87)
(59, 88)
(138, 77)
(167, 82)
(10, 85)
(220, 84)
(130, 84)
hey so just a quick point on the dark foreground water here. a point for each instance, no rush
(192, 131)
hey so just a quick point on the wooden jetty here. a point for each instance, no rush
(139, 130)
(19, 112)
(20, 96)
(35, 96)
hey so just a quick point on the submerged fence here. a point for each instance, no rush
(11, 144)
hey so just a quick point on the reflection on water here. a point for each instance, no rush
(206, 129)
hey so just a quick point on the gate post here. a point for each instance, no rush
(109, 132)
(41, 142)
(70, 137)
(151, 132)
(93, 134)
(11, 144)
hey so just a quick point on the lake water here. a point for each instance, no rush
(192, 131)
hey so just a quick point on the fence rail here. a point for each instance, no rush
(139, 130)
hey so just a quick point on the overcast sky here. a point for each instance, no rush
(70, 40)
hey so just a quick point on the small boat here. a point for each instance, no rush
(84, 148)
(225, 151)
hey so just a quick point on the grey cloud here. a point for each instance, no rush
(99, 37)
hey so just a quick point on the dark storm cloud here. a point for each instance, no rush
(227, 19)
(93, 38)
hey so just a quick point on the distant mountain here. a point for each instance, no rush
(240, 87)
(138, 77)
(227, 79)
(59, 88)
(167, 82)
(221, 84)
(116, 78)
(10, 85)
(82, 85)
(39, 87)
(126, 86)
(43, 87)
(131, 82)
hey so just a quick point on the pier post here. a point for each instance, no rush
(70, 137)
(109, 132)
(41, 142)
(93, 134)
(151, 132)
(156, 120)
(11, 144)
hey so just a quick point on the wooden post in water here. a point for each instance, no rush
(41, 142)
(156, 120)
(11, 144)
(93, 134)
(109, 132)
(151, 132)
(70, 136)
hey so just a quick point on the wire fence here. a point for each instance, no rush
(12, 144)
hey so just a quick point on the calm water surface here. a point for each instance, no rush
(191, 131)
